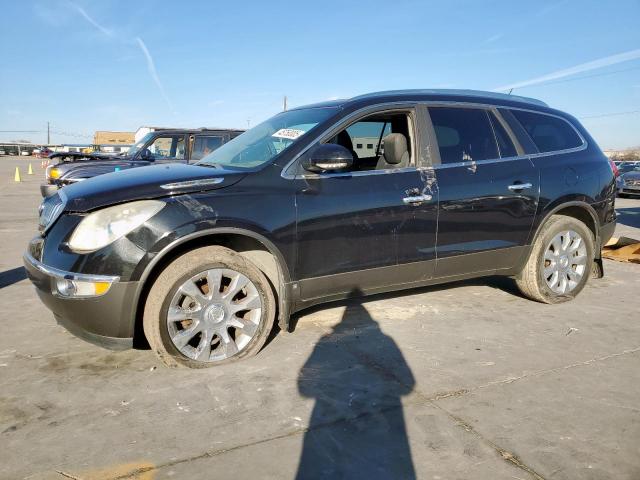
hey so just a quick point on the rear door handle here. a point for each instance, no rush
(413, 199)
(519, 186)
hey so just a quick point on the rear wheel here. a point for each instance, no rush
(560, 261)
(210, 306)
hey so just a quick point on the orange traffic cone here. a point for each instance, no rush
(16, 177)
(30, 171)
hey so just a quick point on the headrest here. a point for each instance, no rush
(395, 148)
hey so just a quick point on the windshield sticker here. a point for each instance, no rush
(289, 133)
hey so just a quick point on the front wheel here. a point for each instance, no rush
(560, 261)
(209, 306)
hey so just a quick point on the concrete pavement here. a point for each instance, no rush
(468, 380)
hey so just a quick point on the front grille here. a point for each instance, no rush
(50, 210)
(632, 182)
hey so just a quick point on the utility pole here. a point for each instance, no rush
(48, 136)
(284, 104)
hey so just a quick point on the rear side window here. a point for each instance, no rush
(463, 134)
(549, 133)
(204, 145)
(506, 146)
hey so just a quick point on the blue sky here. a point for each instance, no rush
(116, 65)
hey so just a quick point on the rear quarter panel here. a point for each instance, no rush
(583, 176)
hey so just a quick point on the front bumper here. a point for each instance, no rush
(107, 320)
(628, 189)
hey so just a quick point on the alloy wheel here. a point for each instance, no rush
(214, 315)
(565, 262)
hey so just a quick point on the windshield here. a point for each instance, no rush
(264, 141)
(135, 148)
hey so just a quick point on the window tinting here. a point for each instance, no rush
(463, 134)
(204, 145)
(547, 132)
(507, 149)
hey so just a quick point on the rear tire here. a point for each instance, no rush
(556, 274)
(189, 324)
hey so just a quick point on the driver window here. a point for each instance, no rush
(367, 138)
(169, 147)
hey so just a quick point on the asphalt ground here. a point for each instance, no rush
(467, 380)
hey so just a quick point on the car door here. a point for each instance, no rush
(488, 190)
(349, 224)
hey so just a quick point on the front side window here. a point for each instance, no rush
(204, 145)
(366, 138)
(166, 147)
(463, 134)
(549, 133)
(265, 141)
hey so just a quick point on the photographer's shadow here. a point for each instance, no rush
(357, 375)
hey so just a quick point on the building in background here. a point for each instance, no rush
(113, 138)
(365, 146)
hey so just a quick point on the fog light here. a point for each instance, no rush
(76, 288)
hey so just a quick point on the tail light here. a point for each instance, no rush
(614, 169)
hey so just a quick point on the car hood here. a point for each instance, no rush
(91, 168)
(145, 183)
(630, 176)
(78, 156)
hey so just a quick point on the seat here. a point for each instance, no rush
(344, 139)
(396, 154)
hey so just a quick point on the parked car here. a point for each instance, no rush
(628, 183)
(161, 146)
(624, 167)
(43, 152)
(201, 260)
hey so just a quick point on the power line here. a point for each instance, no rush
(57, 132)
(20, 131)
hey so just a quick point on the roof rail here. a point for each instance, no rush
(456, 92)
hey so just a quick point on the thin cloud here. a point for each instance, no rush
(550, 8)
(153, 72)
(583, 67)
(151, 67)
(90, 19)
(493, 38)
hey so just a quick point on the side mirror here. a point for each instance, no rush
(328, 157)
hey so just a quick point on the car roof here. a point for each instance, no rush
(452, 95)
(196, 130)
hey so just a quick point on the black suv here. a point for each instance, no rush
(159, 146)
(380, 192)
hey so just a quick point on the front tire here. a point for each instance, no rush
(560, 261)
(208, 307)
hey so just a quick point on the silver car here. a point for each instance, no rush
(629, 183)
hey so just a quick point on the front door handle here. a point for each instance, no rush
(415, 199)
(519, 186)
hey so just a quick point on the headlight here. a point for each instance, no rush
(53, 173)
(105, 226)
